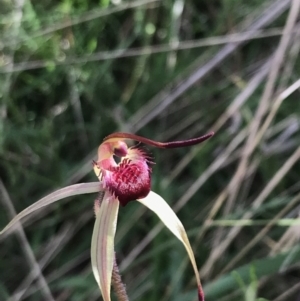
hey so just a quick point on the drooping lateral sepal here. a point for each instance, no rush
(54, 197)
(161, 208)
(102, 248)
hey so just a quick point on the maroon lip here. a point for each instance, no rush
(132, 180)
(129, 181)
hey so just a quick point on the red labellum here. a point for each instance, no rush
(129, 180)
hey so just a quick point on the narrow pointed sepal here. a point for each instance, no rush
(159, 206)
(102, 249)
(54, 197)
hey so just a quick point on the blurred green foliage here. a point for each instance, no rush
(63, 88)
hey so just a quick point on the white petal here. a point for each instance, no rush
(54, 197)
(159, 206)
(97, 171)
(102, 249)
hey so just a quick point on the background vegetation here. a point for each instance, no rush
(73, 71)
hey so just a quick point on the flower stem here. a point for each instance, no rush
(118, 285)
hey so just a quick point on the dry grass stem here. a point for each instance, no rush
(36, 271)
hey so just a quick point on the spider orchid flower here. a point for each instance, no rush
(120, 183)
(128, 180)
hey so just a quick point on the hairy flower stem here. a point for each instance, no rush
(118, 285)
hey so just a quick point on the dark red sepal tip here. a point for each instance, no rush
(200, 294)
